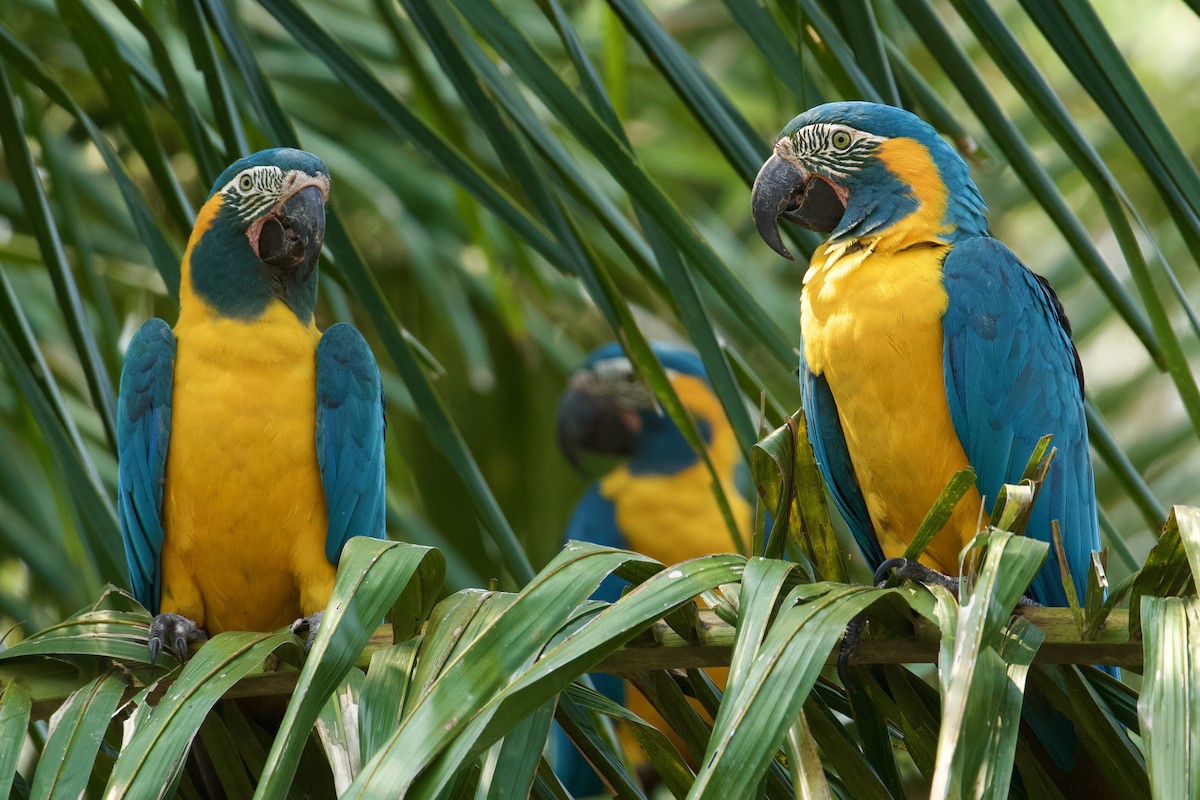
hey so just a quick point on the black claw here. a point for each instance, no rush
(885, 569)
(155, 649)
(909, 569)
(311, 624)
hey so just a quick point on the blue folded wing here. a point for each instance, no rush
(143, 433)
(350, 429)
(833, 460)
(1013, 376)
(595, 520)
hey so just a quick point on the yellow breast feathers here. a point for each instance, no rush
(672, 518)
(871, 319)
(244, 510)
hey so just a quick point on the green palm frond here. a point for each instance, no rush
(515, 183)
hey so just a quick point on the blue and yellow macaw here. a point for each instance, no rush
(659, 501)
(250, 444)
(927, 345)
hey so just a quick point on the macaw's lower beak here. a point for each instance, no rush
(593, 424)
(782, 190)
(293, 235)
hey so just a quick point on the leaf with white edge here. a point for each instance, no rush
(158, 745)
(509, 766)
(471, 680)
(808, 776)
(982, 670)
(337, 728)
(77, 729)
(14, 719)
(1169, 706)
(372, 574)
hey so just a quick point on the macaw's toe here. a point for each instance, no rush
(849, 645)
(176, 630)
(912, 570)
(310, 624)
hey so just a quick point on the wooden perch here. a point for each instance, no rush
(660, 647)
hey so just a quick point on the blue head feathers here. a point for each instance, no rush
(607, 410)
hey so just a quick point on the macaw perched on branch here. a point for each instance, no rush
(250, 444)
(659, 502)
(927, 345)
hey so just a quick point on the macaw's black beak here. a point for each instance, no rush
(782, 190)
(593, 424)
(293, 236)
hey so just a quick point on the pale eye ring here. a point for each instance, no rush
(840, 140)
(245, 183)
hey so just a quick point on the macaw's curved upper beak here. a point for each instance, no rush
(782, 190)
(293, 235)
(591, 423)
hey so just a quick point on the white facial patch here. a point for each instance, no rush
(620, 382)
(831, 149)
(254, 191)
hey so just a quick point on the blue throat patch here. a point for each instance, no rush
(231, 279)
(660, 448)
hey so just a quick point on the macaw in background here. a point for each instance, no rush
(250, 444)
(927, 345)
(658, 502)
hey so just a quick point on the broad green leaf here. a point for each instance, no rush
(337, 728)
(1120, 761)
(770, 679)
(372, 574)
(77, 729)
(842, 755)
(804, 761)
(536, 615)
(982, 669)
(14, 719)
(225, 751)
(597, 743)
(660, 752)
(384, 693)
(1169, 705)
(509, 766)
(159, 744)
(1168, 570)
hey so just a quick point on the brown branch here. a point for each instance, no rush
(660, 647)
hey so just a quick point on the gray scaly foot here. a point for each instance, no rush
(176, 630)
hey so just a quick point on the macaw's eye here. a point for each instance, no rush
(840, 140)
(246, 183)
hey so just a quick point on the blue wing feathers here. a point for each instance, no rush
(833, 460)
(143, 434)
(349, 437)
(1012, 376)
(594, 520)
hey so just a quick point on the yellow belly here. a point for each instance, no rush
(244, 511)
(872, 327)
(672, 518)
